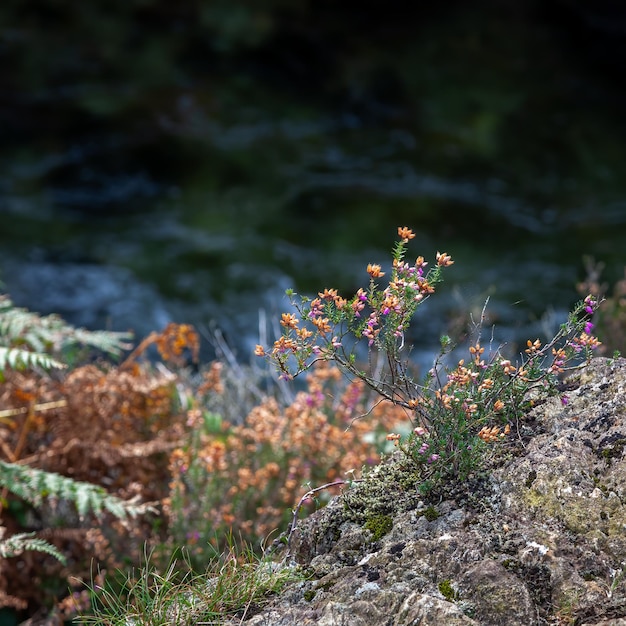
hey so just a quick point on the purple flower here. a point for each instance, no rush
(564, 400)
(589, 304)
(588, 327)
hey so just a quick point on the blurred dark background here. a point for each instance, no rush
(189, 161)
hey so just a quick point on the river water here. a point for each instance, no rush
(162, 163)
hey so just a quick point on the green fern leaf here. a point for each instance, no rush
(16, 544)
(34, 485)
(24, 359)
(49, 333)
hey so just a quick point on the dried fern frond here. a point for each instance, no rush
(49, 333)
(33, 485)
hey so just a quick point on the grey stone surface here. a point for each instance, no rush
(540, 539)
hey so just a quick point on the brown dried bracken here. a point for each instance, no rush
(112, 426)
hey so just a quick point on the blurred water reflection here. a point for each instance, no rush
(165, 162)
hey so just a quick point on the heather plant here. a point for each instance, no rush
(246, 478)
(457, 409)
(610, 317)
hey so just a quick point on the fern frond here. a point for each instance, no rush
(24, 359)
(33, 485)
(50, 333)
(16, 544)
(113, 343)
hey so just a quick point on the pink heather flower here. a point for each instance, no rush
(315, 399)
(419, 431)
(317, 308)
(433, 458)
(336, 343)
(589, 304)
(368, 333)
(588, 327)
(352, 396)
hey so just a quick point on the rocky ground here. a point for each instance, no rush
(539, 538)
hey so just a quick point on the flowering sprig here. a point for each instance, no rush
(377, 316)
(456, 411)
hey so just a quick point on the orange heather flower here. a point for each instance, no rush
(587, 340)
(533, 346)
(489, 435)
(284, 344)
(424, 286)
(322, 324)
(444, 259)
(395, 437)
(405, 233)
(289, 321)
(444, 398)
(328, 294)
(390, 302)
(304, 333)
(373, 270)
(486, 384)
(259, 350)
(498, 405)
(470, 409)
(508, 368)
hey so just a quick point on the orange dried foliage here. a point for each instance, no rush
(249, 477)
(212, 380)
(171, 343)
(112, 426)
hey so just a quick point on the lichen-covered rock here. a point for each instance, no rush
(539, 539)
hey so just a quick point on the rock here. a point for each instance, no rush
(539, 538)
